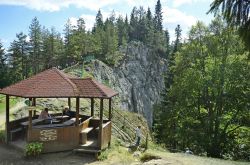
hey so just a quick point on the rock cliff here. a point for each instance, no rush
(138, 78)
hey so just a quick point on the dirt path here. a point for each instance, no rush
(11, 156)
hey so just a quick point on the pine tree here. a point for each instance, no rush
(167, 43)
(35, 44)
(19, 58)
(133, 35)
(98, 21)
(158, 18)
(177, 42)
(3, 67)
(67, 58)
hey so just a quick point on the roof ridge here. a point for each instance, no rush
(94, 82)
(62, 74)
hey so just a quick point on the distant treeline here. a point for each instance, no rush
(44, 48)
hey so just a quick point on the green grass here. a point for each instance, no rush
(13, 101)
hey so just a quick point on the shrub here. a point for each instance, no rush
(2, 136)
(103, 155)
(147, 157)
(33, 149)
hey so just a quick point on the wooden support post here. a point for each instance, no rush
(110, 108)
(77, 110)
(7, 129)
(69, 103)
(34, 102)
(30, 119)
(92, 106)
(100, 124)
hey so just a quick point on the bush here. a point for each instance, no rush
(2, 136)
(148, 156)
(33, 149)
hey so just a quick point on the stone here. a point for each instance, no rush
(139, 78)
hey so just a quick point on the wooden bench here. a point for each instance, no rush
(84, 134)
(70, 121)
(14, 133)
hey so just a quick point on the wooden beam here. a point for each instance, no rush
(110, 108)
(100, 124)
(77, 110)
(7, 129)
(92, 106)
(69, 102)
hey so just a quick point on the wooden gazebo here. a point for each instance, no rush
(70, 133)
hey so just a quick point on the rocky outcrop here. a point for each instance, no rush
(138, 78)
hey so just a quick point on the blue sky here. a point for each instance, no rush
(16, 15)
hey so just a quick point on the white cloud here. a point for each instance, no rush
(89, 19)
(172, 17)
(56, 5)
(175, 16)
(177, 3)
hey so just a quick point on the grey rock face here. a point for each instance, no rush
(139, 78)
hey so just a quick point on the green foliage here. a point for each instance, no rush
(2, 135)
(236, 13)
(33, 149)
(148, 156)
(206, 105)
(103, 156)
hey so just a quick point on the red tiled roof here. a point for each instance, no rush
(91, 88)
(55, 83)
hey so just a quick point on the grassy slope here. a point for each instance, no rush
(120, 155)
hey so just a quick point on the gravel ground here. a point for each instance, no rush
(11, 156)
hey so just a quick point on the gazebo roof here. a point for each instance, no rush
(55, 83)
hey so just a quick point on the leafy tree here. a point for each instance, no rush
(236, 12)
(206, 106)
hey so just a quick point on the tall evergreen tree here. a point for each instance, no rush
(67, 58)
(177, 42)
(35, 35)
(158, 18)
(133, 33)
(3, 67)
(98, 21)
(18, 58)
